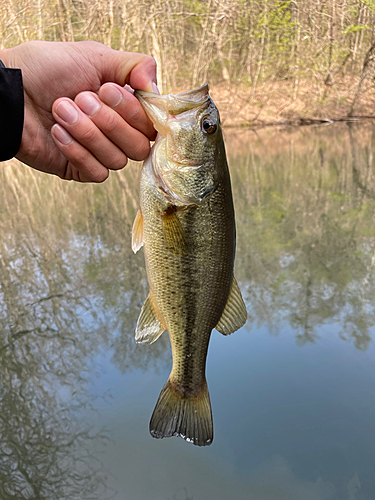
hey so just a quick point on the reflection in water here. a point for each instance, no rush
(71, 288)
(67, 291)
(305, 208)
(276, 471)
(182, 494)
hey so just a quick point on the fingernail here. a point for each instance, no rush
(111, 95)
(67, 112)
(61, 134)
(155, 87)
(129, 89)
(88, 103)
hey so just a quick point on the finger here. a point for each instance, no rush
(82, 165)
(128, 107)
(141, 73)
(137, 70)
(84, 131)
(130, 140)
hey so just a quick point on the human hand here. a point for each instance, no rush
(92, 134)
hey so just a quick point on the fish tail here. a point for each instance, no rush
(189, 417)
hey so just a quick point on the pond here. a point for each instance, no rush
(292, 392)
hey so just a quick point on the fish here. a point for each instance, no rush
(186, 225)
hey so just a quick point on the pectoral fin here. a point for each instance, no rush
(174, 234)
(137, 232)
(234, 315)
(148, 327)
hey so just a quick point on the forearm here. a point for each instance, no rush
(11, 107)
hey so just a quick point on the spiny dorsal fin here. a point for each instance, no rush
(148, 327)
(174, 235)
(137, 232)
(234, 315)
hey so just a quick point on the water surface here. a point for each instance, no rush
(293, 392)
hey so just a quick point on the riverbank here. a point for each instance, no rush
(273, 103)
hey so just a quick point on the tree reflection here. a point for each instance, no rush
(68, 292)
(306, 240)
(44, 451)
(70, 287)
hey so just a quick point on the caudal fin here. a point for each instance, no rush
(179, 415)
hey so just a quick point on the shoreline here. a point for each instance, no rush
(274, 105)
(297, 122)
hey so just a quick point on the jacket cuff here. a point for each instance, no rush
(11, 111)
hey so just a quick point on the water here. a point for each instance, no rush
(292, 392)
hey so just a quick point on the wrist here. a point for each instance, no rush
(6, 57)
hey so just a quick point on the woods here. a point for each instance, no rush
(235, 40)
(323, 50)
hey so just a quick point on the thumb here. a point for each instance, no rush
(132, 68)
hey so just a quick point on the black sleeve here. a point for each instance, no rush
(11, 111)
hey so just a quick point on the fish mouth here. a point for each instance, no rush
(152, 103)
(159, 108)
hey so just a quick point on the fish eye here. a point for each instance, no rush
(209, 125)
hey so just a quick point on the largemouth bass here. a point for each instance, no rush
(187, 228)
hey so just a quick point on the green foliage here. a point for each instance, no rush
(354, 29)
(370, 4)
(276, 21)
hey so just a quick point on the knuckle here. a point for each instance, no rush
(118, 162)
(89, 173)
(89, 135)
(99, 175)
(152, 61)
(81, 157)
(141, 150)
(111, 123)
(135, 112)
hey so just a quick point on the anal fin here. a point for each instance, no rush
(148, 328)
(234, 315)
